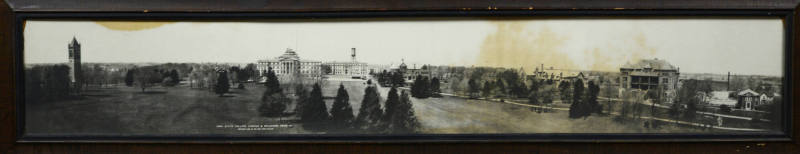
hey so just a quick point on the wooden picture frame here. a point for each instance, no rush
(16, 12)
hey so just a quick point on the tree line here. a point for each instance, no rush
(397, 116)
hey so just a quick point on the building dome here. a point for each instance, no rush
(289, 55)
(403, 66)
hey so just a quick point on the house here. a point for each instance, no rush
(747, 99)
(767, 98)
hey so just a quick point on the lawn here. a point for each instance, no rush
(182, 110)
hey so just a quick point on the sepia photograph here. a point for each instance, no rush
(400, 76)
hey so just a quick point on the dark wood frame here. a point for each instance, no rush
(9, 109)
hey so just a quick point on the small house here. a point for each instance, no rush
(747, 99)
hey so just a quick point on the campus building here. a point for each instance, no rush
(351, 69)
(651, 74)
(289, 65)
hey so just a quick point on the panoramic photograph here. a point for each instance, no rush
(403, 76)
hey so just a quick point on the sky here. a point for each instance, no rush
(696, 45)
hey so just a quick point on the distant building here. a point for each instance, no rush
(747, 99)
(651, 74)
(289, 65)
(353, 68)
(74, 50)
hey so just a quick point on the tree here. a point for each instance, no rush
(315, 115)
(501, 88)
(674, 111)
(416, 88)
(564, 90)
(608, 91)
(487, 89)
(341, 111)
(473, 87)
(533, 97)
(273, 105)
(592, 104)
(578, 108)
(223, 84)
(547, 98)
(145, 78)
(129, 77)
(272, 83)
(425, 88)
(435, 87)
(688, 96)
(397, 79)
(403, 119)
(390, 106)
(421, 87)
(174, 77)
(370, 113)
(302, 98)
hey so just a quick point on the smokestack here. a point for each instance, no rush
(729, 81)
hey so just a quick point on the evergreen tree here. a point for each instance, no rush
(397, 79)
(415, 88)
(564, 89)
(591, 103)
(222, 83)
(392, 100)
(370, 114)
(578, 108)
(302, 98)
(129, 77)
(341, 111)
(315, 115)
(435, 87)
(272, 83)
(425, 88)
(403, 119)
(421, 87)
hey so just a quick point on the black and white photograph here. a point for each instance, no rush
(404, 76)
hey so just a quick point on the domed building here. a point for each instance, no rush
(289, 66)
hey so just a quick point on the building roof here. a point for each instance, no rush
(656, 64)
(289, 55)
(748, 92)
(74, 41)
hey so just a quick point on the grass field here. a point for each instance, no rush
(182, 110)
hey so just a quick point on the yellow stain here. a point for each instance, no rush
(131, 25)
(511, 46)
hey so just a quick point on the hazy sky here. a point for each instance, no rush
(742, 46)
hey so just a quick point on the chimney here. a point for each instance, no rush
(729, 81)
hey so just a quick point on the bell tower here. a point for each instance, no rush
(75, 65)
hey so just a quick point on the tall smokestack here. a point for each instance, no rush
(729, 81)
